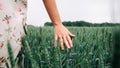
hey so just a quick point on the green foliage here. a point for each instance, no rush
(116, 55)
(93, 47)
(84, 23)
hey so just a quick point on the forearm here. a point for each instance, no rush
(52, 10)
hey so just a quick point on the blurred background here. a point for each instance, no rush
(94, 11)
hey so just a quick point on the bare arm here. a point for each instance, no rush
(52, 11)
(60, 32)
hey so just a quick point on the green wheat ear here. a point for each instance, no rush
(11, 56)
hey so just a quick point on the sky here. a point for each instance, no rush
(95, 11)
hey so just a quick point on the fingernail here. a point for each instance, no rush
(62, 48)
(71, 45)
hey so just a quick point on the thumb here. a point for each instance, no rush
(71, 35)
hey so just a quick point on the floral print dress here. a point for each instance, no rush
(12, 20)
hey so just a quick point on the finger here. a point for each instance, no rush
(69, 41)
(72, 35)
(66, 42)
(55, 40)
(61, 43)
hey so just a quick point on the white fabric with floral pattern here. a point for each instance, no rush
(12, 20)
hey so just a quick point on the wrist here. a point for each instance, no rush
(57, 24)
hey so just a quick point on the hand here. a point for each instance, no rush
(63, 34)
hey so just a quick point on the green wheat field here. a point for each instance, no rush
(93, 48)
